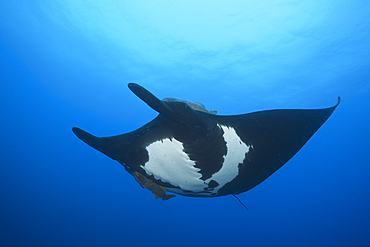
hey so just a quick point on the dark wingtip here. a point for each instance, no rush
(85, 137)
(339, 100)
(78, 132)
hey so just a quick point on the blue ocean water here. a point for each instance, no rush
(68, 63)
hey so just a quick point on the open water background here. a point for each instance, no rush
(67, 63)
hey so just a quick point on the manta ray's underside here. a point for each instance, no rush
(193, 152)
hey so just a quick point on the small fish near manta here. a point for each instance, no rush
(190, 151)
(158, 191)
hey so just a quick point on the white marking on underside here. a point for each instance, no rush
(236, 151)
(168, 162)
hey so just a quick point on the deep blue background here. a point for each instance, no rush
(67, 63)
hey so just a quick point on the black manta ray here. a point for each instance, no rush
(193, 152)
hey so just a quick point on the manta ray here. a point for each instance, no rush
(191, 151)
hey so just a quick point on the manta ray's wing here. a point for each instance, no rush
(274, 136)
(112, 146)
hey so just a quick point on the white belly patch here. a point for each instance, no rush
(169, 163)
